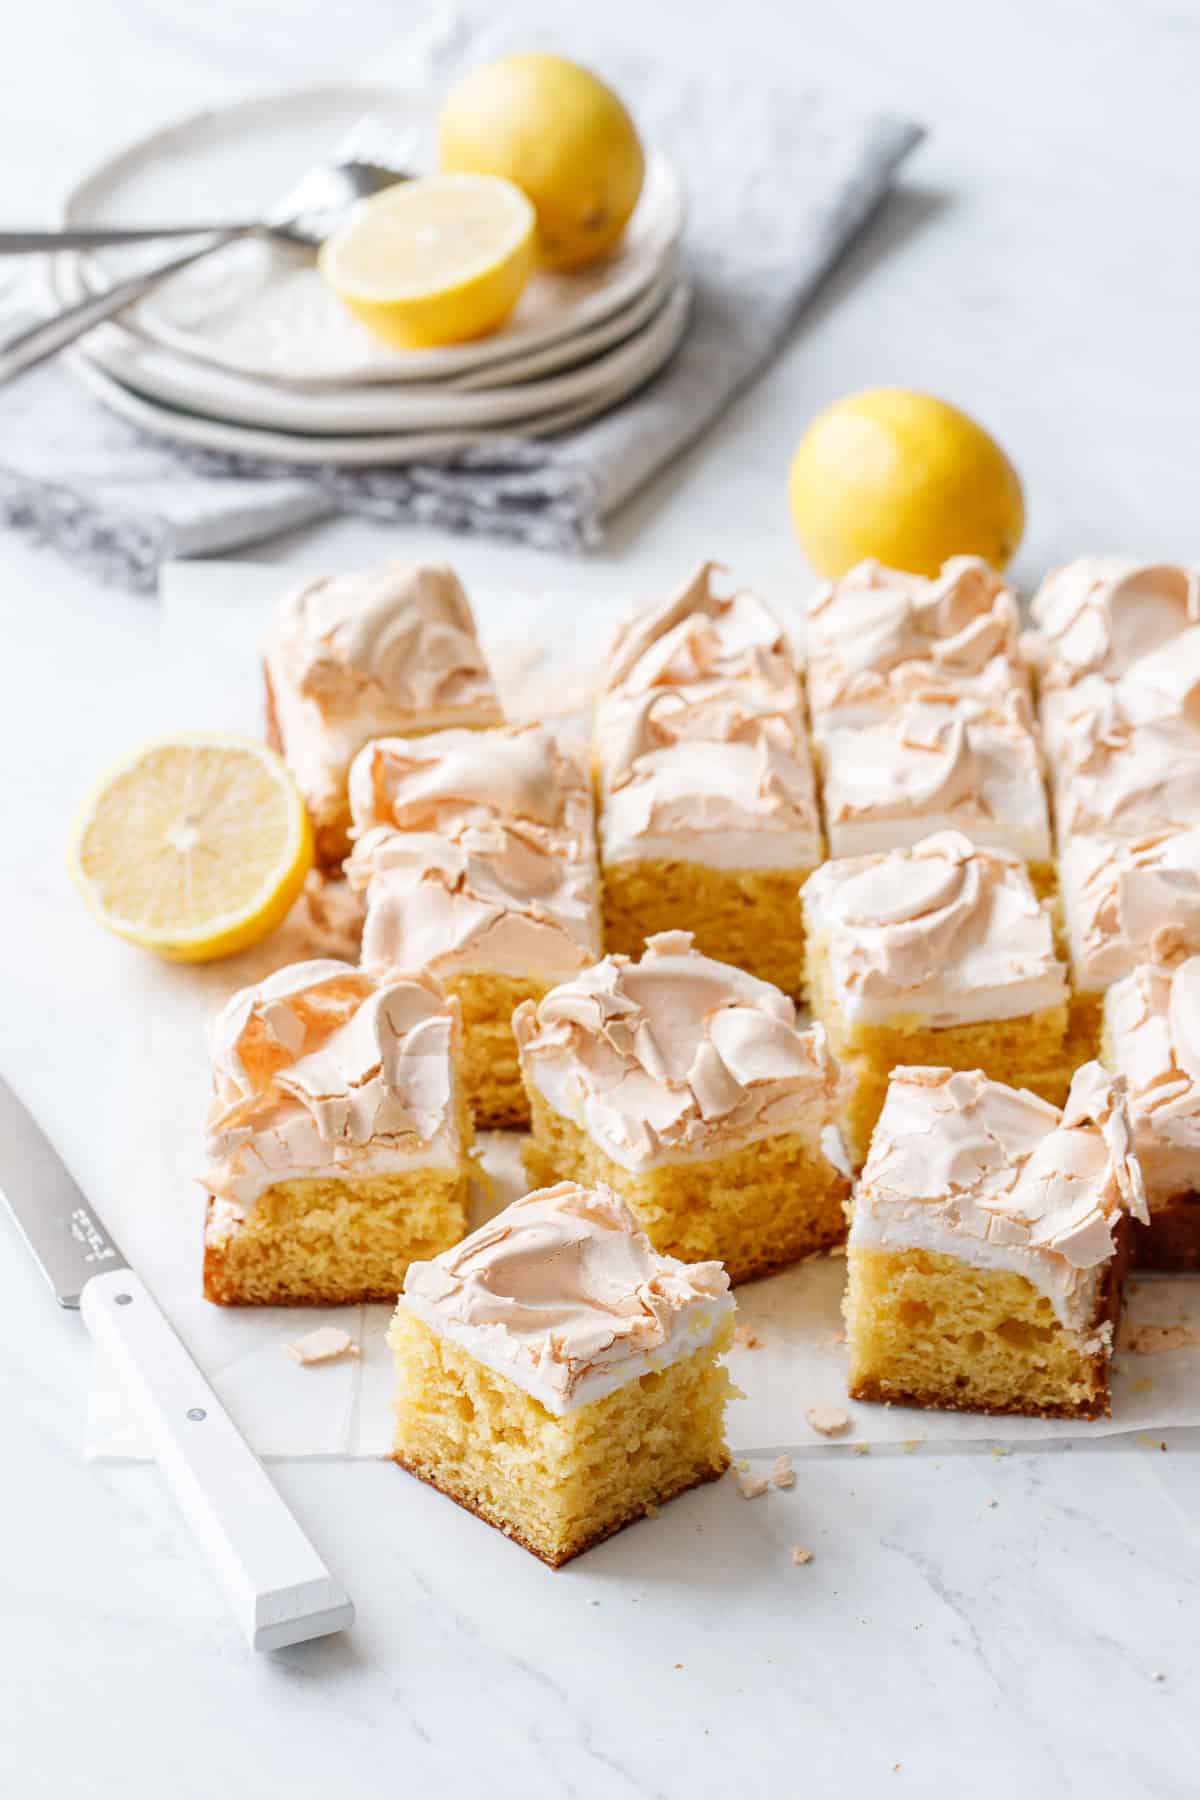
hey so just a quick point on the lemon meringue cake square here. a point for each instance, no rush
(338, 1137)
(348, 658)
(987, 1245)
(1125, 901)
(1151, 1038)
(877, 636)
(687, 1086)
(476, 851)
(939, 954)
(558, 1377)
(709, 819)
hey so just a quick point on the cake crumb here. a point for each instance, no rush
(1153, 1340)
(998, 1451)
(652, 1511)
(745, 1338)
(830, 1421)
(752, 1485)
(800, 1556)
(1142, 1385)
(837, 1250)
(911, 1444)
(325, 1344)
(862, 1449)
(783, 1475)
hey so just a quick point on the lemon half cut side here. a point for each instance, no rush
(194, 846)
(439, 260)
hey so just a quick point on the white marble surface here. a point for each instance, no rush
(1038, 269)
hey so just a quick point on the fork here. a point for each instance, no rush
(307, 214)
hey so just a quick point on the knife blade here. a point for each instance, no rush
(69, 1240)
(277, 1584)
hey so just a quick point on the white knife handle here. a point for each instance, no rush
(279, 1588)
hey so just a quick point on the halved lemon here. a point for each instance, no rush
(434, 261)
(193, 846)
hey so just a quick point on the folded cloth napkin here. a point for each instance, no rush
(778, 181)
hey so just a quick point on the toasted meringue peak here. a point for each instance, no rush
(351, 657)
(701, 738)
(676, 1056)
(322, 1069)
(936, 764)
(401, 636)
(698, 636)
(476, 851)
(1152, 1025)
(1128, 752)
(992, 1175)
(1101, 614)
(523, 774)
(564, 1294)
(1130, 900)
(945, 931)
(877, 634)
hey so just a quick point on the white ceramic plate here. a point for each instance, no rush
(632, 341)
(380, 449)
(262, 309)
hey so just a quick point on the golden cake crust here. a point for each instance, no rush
(489, 1516)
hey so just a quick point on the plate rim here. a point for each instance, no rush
(116, 353)
(638, 351)
(375, 450)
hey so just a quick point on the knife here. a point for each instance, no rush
(279, 1589)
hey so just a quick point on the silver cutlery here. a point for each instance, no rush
(306, 214)
(279, 1588)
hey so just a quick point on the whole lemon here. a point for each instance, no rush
(562, 135)
(905, 478)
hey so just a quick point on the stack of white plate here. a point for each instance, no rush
(249, 351)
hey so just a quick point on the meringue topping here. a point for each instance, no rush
(352, 657)
(1099, 614)
(476, 853)
(323, 1070)
(676, 1056)
(1128, 752)
(567, 1297)
(936, 764)
(1152, 1020)
(701, 738)
(878, 634)
(1130, 900)
(967, 1167)
(945, 931)
(699, 635)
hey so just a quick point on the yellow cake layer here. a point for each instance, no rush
(1044, 876)
(925, 1329)
(491, 1072)
(556, 1484)
(1030, 1051)
(1085, 1027)
(320, 1242)
(749, 917)
(755, 1209)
